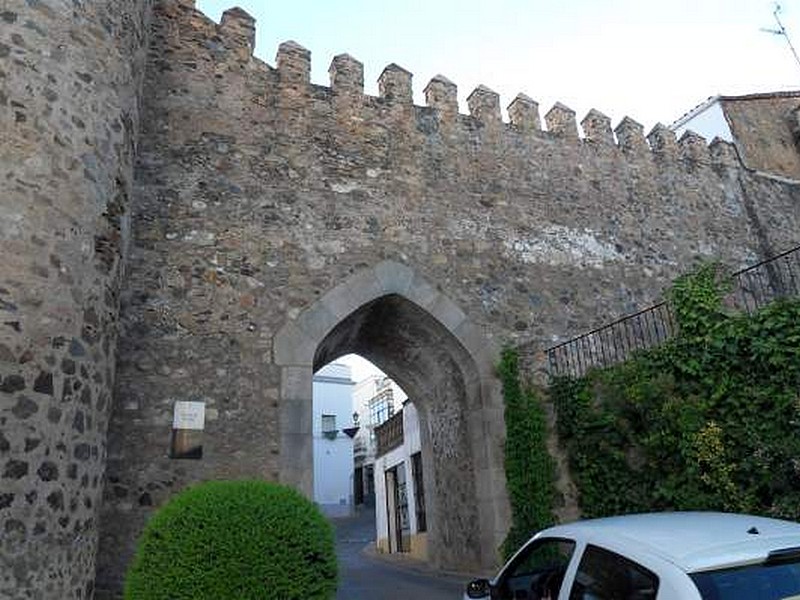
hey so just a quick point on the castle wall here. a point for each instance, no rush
(256, 193)
(69, 74)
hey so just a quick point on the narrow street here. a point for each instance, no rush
(366, 577)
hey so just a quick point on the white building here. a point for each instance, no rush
(333, 446)
(375, 399)
(764, 129)
(400, 514)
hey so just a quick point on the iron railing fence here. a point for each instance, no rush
(752, 288)
(612, 343)
(389, 434)
(760, 284)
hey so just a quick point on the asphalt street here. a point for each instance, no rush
(362, 576)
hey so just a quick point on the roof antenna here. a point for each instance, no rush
(781, 30)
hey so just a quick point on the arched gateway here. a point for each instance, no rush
(417, 335)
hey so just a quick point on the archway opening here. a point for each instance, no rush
(368, 455)
(434, 369)
(423, 341)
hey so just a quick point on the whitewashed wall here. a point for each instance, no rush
(402, 454)
(333, 459)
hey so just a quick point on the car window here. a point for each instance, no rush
(537, 573)
(605, 575)
(755, 582)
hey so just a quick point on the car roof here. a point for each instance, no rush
(694, 541)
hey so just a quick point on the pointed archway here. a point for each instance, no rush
(413, 332)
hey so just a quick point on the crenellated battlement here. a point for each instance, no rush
(232, 223)
(276, 221)
(345, 92)
(237, 25)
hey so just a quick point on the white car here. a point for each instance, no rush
(659, 556)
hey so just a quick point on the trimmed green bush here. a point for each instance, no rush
(243, 540)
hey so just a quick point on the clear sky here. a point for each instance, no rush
(651, 60)
(360, 367)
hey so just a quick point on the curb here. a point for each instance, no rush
(407, 563)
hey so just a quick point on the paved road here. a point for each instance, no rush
(362, 577)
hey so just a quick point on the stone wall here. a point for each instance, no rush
(276, 225)
(764, 127)
(269, 209)
(69, 74)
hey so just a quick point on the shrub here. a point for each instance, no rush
(708, 420)
(235, 539)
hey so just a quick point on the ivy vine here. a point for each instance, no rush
(530, 472)
(709, 420)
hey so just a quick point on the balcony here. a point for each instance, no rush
(389, 435)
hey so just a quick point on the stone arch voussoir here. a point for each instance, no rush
(296, 342)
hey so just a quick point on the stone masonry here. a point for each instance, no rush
(276, 225)
(69, 112)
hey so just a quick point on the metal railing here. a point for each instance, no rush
(753, 288)
(389, 434)
(612, 343)
(776, 277)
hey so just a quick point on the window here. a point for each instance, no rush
(764, 582)
(329, 426)
(537, 573)
(419, 491)
(381, 407)
(604, 575)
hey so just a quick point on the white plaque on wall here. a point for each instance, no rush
(189, 415)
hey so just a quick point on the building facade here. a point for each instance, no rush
(401, 518)
(332, 427)
(375, 398)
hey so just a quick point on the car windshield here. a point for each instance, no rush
(754, 582)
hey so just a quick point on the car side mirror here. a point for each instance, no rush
(479, 588)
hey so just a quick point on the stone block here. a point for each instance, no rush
(297, 462)
(296, 417)
(484, 105)
(693, 147)
(296, 384)
(446, 312)
(394, 85)
(394, 277)
(597, 127)
(442, 95)
(662, 141)
(724, 153)
(292, 346)
(422, 293)
(347, 77)
(524, 113)
(630, 136)
(317, 321)
(294, 64)
(239, 28)
(560, 121)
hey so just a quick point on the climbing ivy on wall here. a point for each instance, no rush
(529, 467)
(709, 420)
